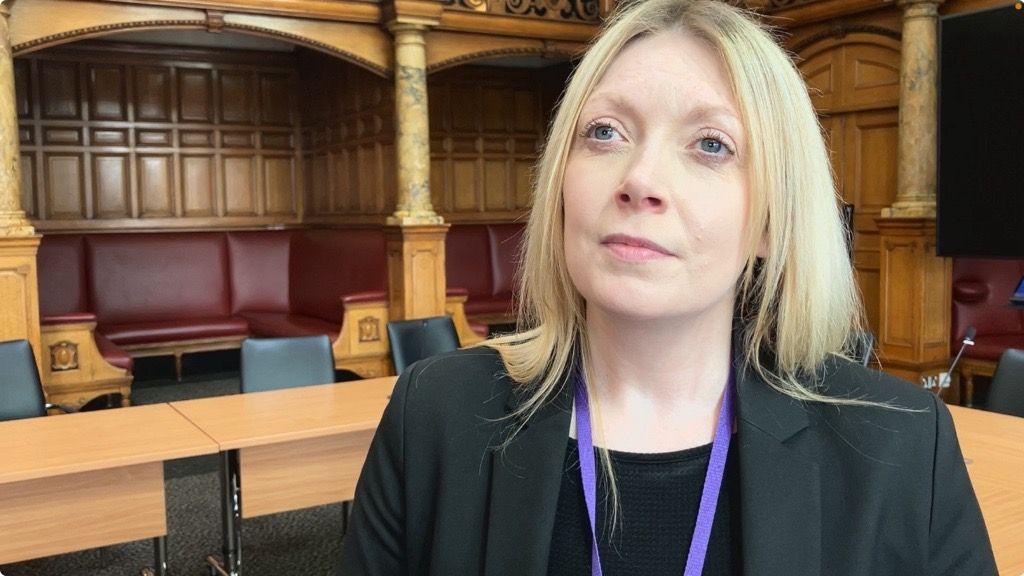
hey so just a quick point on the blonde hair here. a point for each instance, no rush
(800, 303)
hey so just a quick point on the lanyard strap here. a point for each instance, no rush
(712, 480)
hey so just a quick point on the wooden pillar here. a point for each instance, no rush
(915, 283)
(19, 290)
(415, 233)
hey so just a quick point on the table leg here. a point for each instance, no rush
(231, 519)
(160, 555)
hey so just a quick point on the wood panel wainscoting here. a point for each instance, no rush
(487, 126)
(854, 80)
(126, 136)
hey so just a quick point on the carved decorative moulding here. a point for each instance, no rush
(63, 356)
(566, 10)
(369, 329)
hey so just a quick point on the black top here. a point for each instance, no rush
(659, 496)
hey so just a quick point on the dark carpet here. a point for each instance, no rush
(304, 542)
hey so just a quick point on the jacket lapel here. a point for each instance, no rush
(780, 491)
(525, 482)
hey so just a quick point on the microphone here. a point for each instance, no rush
(967, 341)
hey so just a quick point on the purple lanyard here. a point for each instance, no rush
(708, 498)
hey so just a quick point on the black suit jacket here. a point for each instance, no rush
(823, 489)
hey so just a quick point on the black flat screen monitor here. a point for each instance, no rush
(981, 134)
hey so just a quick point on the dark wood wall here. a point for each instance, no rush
(120, 136)
(348, 140)
(487, 126)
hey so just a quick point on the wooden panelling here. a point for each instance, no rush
(348, 139)
(61, 99)
(278, 181)
(854, 83)
(239, 182)
(110, 175)
(156, 184)
(106, 92)
(198, 183)
(236, 97)
(115, 136)
(64, 182)
(22, 93)
(195, 103)
(152, 93)
(486, 124)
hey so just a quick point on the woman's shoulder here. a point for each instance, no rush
(842, 378)
(471, 382)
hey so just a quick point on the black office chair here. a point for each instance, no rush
(276, 363)
(1006, 393)
(21, 391)
(412, 340)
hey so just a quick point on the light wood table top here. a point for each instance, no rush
(993, 447)
(54, 445)
(260, 418)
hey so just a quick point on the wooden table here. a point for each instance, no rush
(993, 447)
(80, 481)
(290, 449)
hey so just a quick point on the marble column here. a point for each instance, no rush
(412, 137)
(918, 129)
(415, 232)
(12, 218)
(915, 283)
(19, 287)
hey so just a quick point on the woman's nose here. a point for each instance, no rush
(644, 186)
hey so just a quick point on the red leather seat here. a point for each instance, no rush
(175, 330)
(112, 353)
(484, 259)
(981, 294)
(280, 324)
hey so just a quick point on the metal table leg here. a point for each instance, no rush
(231, 508)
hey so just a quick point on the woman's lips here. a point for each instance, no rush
(634, 249)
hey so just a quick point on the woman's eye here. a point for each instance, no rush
(603, 132)
(711, 145)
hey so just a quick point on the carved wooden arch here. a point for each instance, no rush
(447, 50)
(841, 34)
(851, 67)
(46, 23)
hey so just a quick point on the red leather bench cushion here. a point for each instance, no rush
(328, 264)
(276, 324)
(62, 279)
(981, 294)
(111, 353)
(145, 278)
(175, 330)
(992, 346)
(467, 260)
(505, 240)
(259, 270)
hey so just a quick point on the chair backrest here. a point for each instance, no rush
(1006, 393)
(413, 340)
(21, 392)
(275, 363)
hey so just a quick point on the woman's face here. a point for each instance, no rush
(655, 192)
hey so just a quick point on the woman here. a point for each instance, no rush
(687, 303)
